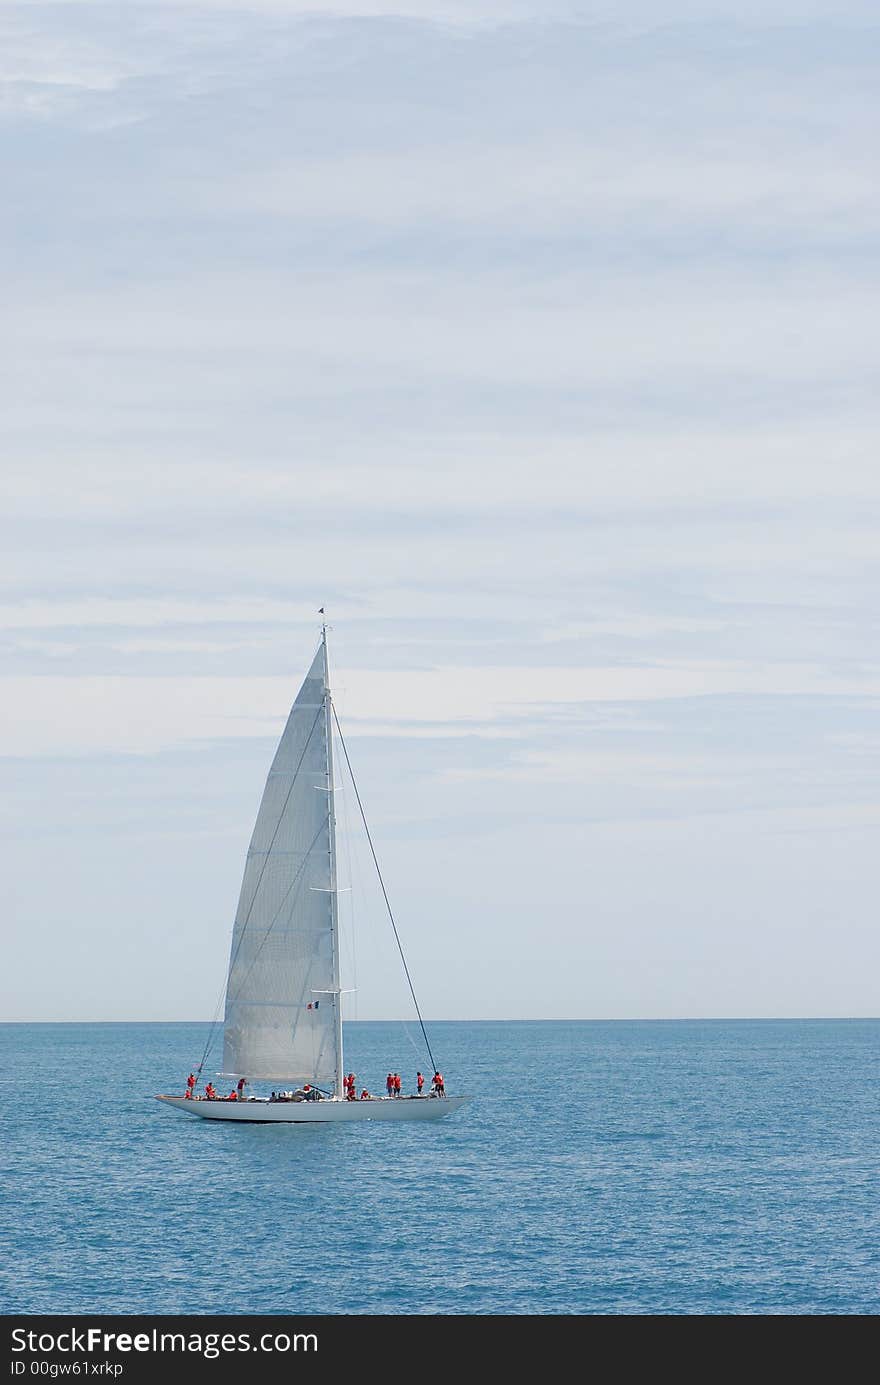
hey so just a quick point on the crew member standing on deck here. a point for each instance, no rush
(242, 1083)
(420, 1082)
(190, 1085)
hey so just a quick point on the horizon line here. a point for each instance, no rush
(514, 1019)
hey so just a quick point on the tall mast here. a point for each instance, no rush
(334, 897)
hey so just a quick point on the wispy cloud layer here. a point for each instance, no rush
(537, 342)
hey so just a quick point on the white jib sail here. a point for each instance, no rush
(282, 992)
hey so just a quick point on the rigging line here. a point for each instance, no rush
(412, 1043)
(238, 992)
(384, 891)
(211, 1028)
(257, 886)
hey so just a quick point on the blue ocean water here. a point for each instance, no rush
(647, 1167)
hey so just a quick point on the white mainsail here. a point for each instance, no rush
(282, 1018)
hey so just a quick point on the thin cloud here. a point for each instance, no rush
(537, 343)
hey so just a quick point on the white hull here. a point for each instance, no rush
(313, 1112)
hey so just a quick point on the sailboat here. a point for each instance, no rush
(283, 1006)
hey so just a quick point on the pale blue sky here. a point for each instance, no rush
(538, 342)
